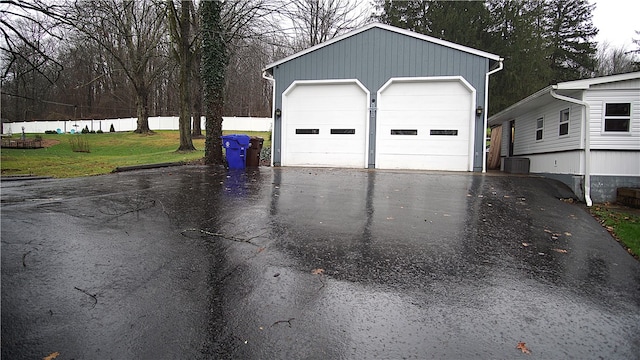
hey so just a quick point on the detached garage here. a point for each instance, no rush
(382, 97)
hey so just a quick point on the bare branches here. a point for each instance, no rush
(310, 22)
(27, 27)
(133, 33)
(614, 60)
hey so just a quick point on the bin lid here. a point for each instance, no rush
(256, 140)
(235, 140)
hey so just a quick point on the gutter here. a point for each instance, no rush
(587, 144)
(486, 106)
(267, 76)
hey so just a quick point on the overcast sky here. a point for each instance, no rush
(617, 20)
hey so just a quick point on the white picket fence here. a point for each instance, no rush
(130, 124)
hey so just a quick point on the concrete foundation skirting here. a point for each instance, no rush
(603, 188)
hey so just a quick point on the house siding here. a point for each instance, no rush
(614, 141)
(615, 163)
(525, 142)
(373, 57)
(504, 142)
(566, 162)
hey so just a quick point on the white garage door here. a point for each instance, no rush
(425, 124)
(324, 124)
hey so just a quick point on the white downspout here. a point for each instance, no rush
(486, 106)
(265, 75)
(587, 145)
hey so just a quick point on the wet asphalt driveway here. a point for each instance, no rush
(282, 263)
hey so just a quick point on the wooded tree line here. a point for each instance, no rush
(71, 59)
(112, 58)
(78, 56)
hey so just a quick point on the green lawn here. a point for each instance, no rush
(107, 151)
(623, 225)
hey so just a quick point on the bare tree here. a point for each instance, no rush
(19, 20)
(614, 60)
(246, 91)
(29, 70)
(182, 39)
(133, 33)
(310, 22)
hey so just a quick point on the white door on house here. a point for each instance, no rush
(324, 124)
(426, 124)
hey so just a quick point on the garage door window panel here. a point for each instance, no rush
(307, 131)
(343, 131)
(443, 132)
(404, 132)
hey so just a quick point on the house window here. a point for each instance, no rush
(564, 123)
(539, 127)
(617, 117)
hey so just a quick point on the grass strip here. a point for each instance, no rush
(624, 226)
(106, 152)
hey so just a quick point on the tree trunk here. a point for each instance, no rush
(142, 99)
(186, 144)
(213, 141)
(196, 131)
(214, 64)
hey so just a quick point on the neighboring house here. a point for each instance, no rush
(382, 97)
(548, 129)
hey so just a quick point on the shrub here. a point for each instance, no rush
(85, 130)
(50, 132)
(112, 129)
(99, 132)
(92, 132)
(79, 144)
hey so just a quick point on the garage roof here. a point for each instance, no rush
(388, 28)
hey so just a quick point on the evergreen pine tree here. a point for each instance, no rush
(572, 53)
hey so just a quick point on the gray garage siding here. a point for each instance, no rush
(373, 57)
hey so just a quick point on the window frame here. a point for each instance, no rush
(539, 129)
(562, 121)
(606, 117)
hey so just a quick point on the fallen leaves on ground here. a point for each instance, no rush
(526, 244)
(317, 271)
(51, 356)
(523, 347)
(562, 251)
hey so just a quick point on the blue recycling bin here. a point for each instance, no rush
(236, 146)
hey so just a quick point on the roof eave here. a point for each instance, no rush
(585, 84)
(505, 113)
